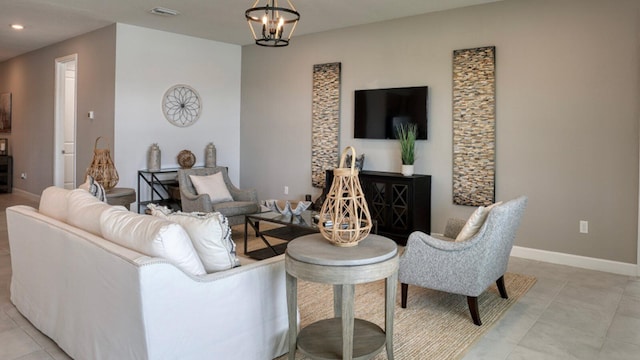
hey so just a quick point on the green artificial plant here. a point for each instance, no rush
(406, 133)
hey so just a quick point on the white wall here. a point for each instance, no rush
(148, 62)
(567, 112)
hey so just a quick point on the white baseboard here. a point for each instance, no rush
(26, 194)
(584, 262)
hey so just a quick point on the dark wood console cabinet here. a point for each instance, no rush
(6, 173)
(400, 204)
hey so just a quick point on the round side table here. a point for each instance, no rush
(121, 196)
(312, 258)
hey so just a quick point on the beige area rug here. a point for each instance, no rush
(435, 325)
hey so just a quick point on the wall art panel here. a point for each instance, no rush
(325, 128)
(474, 126)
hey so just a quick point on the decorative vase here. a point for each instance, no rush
(210, 156)
(345, 219)
(153, 158)
(407, 170)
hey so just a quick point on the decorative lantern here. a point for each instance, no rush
(102, 168)
(345, 218)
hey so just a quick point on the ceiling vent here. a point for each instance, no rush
(163, 11)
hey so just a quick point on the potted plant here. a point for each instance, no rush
(406, 133)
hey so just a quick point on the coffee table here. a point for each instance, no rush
(294, 226)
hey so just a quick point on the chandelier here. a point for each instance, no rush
(269, 23)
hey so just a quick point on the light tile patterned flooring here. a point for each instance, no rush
(570, 313)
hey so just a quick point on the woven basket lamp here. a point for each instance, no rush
(345, 218)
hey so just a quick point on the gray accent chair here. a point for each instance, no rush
(244, 201)
(467, 267)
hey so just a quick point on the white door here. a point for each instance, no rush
(65, 134)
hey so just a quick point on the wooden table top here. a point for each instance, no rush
(315, 249)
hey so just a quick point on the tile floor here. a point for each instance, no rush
(570, 313)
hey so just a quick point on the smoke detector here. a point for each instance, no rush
(163, 11)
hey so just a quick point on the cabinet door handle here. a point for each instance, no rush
(64, 152)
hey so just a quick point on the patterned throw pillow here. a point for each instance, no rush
(210, 234)
(94, 188)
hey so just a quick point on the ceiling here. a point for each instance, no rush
(49, 21)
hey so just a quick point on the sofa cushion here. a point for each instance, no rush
(475, 222)
(84, 210)
(53, 203)
(213, 185)
(211, 237)
(151, 236)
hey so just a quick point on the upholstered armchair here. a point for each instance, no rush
(466, 267)
(234, 203)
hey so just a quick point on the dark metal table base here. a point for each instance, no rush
(287, 233)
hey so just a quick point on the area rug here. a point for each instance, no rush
(435, 325)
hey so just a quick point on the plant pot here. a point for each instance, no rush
(407, 170)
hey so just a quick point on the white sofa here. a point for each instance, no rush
(99, 300)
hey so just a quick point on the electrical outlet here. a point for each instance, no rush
(286, 190)
(584, 227)
(23, 176)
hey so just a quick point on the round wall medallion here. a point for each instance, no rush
(181, 105)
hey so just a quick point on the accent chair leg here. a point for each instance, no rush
(403, 295)
(501, 288)
(473, 308)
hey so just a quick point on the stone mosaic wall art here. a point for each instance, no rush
(474, 126)
(325, 127)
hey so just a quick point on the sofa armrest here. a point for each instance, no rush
(250, 195)
(244, 308)
(191, 202)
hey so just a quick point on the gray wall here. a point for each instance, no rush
(567, 112)
(31, 78)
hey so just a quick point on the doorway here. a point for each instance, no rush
(65, 122)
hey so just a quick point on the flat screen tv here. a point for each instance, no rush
(379, 111)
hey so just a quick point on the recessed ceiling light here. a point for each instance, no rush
(17, 26)
(163, 11)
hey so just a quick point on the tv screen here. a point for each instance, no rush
(379, 111)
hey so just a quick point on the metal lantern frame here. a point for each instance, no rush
(345, 217)
(272, 22)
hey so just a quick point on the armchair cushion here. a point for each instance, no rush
(212, 185)
(475, 222)
(236, 208)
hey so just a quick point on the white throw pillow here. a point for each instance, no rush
(475, 222)
(211, 236)
(213, 185)
(84, 210)
(151, 236)
(53, 203)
